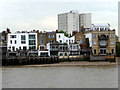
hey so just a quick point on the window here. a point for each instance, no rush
(32, 42)
(20, 48)
(65, 54)
(51, 36)
(51, 41)
(31, 36)
(97, 28)
(41, 41)
(16, 49)
(41, 47)
(23, 37)
(61, 54)
(12, 36)
(74, 47)
(15, 41)
(94, 35)
(59, 36)
(106, 29)
(112, 35)
(56, 47)
(95, 42)
(3, 37)
(32, 47)
(66, 48)
(112, 42)
(60, 41)
(60, 48)
(101, 29)
(41, 35)
(81, 40)
(102, 42)
(24, 48)
(94, 51)
(79, 36)
(112, 51)
(103, 51)
(11, 41)
(23, 42)
(77, 47)
(9, 47)
(43, 54)
(13, 48)
(63, 48)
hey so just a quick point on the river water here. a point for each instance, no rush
(60, 77)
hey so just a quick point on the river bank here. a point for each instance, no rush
(72, 63)
(77, 63)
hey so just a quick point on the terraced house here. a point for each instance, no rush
(22, 41)
(102, 39)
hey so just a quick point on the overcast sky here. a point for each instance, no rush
(42, 15)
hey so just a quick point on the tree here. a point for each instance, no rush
(82, 29)
(8, 30)
(117, 38)
(117, 46)
(65, 33)
(118, 49)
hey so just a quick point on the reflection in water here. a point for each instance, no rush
(61, 77)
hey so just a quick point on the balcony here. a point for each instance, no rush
(103, 44)
(103, 37)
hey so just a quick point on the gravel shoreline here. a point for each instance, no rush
(77, 63)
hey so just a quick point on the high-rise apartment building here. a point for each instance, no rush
(68, 22)
(119, 20)
(85, 20)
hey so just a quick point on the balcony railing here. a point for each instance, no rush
(103, 44)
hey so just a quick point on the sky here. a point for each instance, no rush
(19, 15)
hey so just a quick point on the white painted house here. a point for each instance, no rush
(22, 41)
(17, 41)
(61, 38)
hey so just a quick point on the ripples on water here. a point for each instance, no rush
(60, 77)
